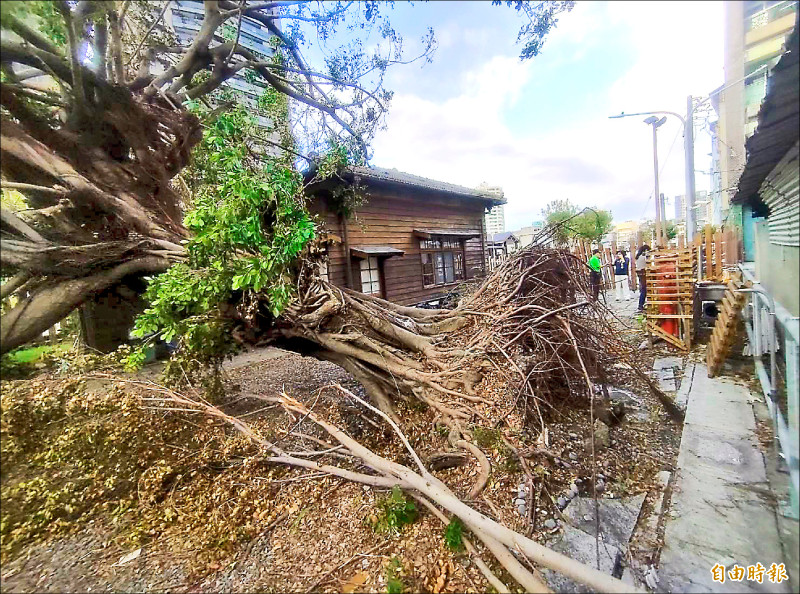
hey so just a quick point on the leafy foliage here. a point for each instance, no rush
(43, 15)
(394, 512)
(649, 231)
(394, 585)
(12, 200)
(453, 535)
(590, 225)
(542, 17)
(249, 224)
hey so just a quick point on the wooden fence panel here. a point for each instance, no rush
(718, 260)
(608, 268)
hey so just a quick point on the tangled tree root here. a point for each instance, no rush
(531, 320)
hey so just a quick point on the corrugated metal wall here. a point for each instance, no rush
(781, 193)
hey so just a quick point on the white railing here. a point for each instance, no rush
(761, 315)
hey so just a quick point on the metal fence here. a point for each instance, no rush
(775, 333)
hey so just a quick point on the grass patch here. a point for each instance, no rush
(487, 438)
(394, 585)
(21, 363)
(453, 535)
(33, 354)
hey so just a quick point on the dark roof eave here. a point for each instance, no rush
(370, 175)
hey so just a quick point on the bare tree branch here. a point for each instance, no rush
(160, 16)
(78, 90)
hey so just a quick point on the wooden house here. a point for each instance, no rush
(411, 241)
(502, 244)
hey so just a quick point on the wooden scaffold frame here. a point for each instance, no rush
(671, 275)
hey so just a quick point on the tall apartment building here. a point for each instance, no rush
(704, 209)
(185, 17)
(680, 208)
(755, 33)
(495, 220)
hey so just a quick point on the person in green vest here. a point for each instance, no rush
(595, 277)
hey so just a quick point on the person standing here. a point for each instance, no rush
(621, 277)
(641, 265)
(595, 277)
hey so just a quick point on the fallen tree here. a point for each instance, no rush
(105, 170)
(94, 140)
(243, 263)
(426, 488)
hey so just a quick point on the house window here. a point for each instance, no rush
(323, 271)
(442, 261)
(370, 276)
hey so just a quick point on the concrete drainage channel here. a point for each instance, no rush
(599, 533)
(619, 536)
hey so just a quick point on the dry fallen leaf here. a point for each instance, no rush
(128, 558)
(354, 582)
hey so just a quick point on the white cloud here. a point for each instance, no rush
(590, 159)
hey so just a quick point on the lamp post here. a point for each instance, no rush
(688, 152)
(655, 122)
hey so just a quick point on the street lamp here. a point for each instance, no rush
(655, 122)
(688, 153)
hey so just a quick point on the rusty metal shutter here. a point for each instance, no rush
(780, 191)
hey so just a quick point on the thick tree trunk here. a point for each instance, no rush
(52, 303)
(101, 205)
(107, 319)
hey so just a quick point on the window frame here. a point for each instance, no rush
(442, 244)
(377, 277)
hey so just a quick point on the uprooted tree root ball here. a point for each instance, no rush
(532, 319)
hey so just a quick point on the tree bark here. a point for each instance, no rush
(52, 303)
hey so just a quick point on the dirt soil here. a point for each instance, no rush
(316, 534)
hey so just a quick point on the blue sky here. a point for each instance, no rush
(540, 129)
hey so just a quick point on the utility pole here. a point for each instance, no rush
(655, 122)
(688, 151)
(657, 195)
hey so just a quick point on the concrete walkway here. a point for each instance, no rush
(624, 309)
(721, 511)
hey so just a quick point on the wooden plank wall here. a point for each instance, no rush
(388, 218)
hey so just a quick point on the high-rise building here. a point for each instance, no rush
(184, 18)
(704, 209)
(755, 33)
(680, 208)
(495, 220)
